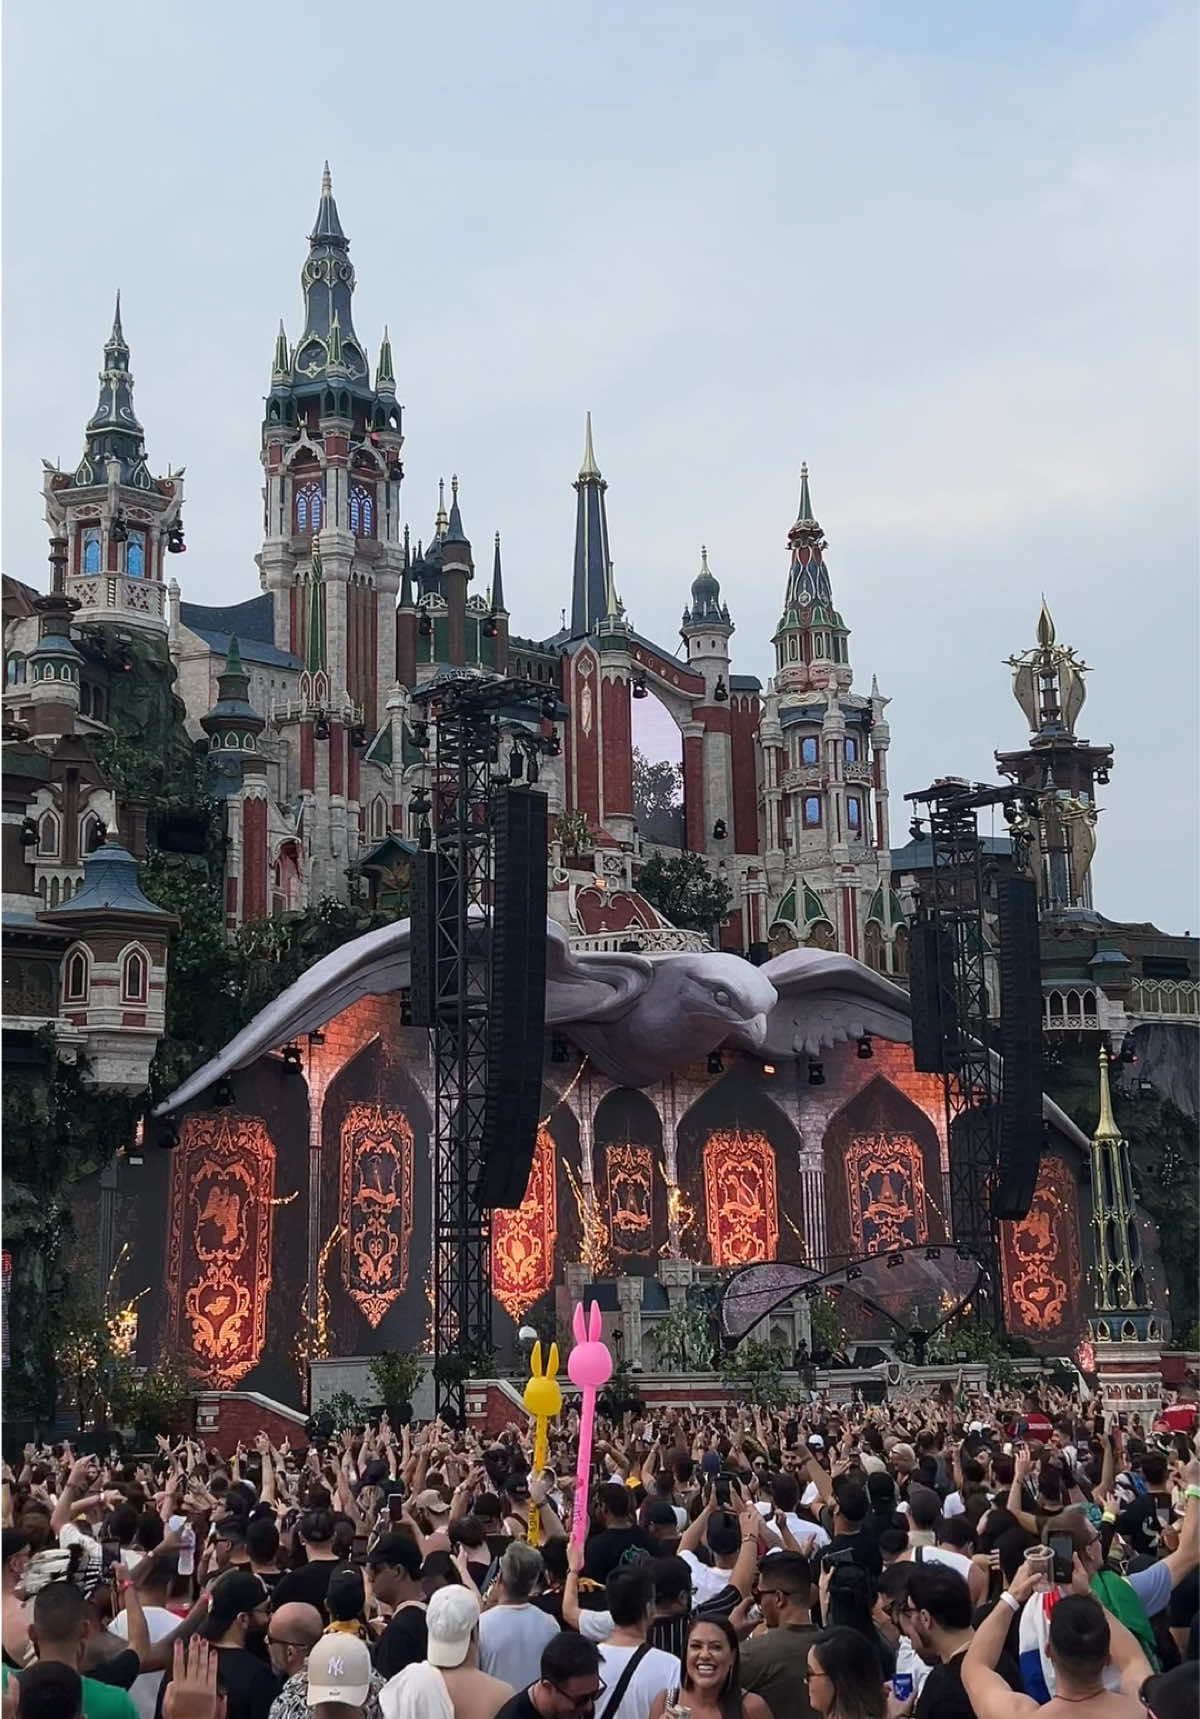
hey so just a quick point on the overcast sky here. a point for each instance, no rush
(944, 252)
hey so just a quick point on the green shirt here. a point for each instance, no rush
(100, 1700)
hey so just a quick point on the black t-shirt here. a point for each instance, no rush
(942, 1693)
(309, 1584)
(249, 1683)
(403, 1642)
(1141, 1523)
(608, 1548)
(520, 1707)
(122, 1670)
(862, 1547)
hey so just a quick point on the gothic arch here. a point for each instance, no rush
(737, 1158)
(883, 1180)
(77, 976)
(631, 1187)
(135, 975)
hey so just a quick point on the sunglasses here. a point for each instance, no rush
(579, 1701)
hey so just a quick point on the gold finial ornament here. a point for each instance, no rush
(1106, 1127)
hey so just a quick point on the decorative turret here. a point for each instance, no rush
(328, 351)
(385, 375)
(54, 663)
(594, 596)
(233, 725)
(458, 568)
(811, 639)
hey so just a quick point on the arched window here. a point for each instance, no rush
(812, 812)
(792, 649)
(89, 559)
(14, 670)
(135, 555)
(309, 506)
(900, 951)
(851, 749)
(378, 819)
(48, 834)
(362, 510)
(854, 814)
(75, 979)
(133, 978)
(55, 891)
(873, 945)
(810, 752)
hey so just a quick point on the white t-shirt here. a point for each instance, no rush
(954, 1505)
(160, 1623)
(707, 1581)
(939, 1555)
(798, 1527)
(907, 1661)
(657, 1671)
(511, 1639)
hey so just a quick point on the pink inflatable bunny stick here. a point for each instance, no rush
(590, 1365)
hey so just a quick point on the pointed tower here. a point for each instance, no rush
(593, 595)
(496, 625)
(1126, 1329)
(331, 444)
(118, 520)
(1058, 767)
(238, 769)
(824, 774)
(458, 569)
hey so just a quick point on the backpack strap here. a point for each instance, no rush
(622, 1684)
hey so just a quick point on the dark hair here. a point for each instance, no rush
(785, 1492)
(58, 1611)
(892, 1581)
(857, 1677)
(881, 1490)
(14, 1540)
(231, 1528)
(262, 1539)
(440, 1567)
(122, 1524)
(346, 1597)
(568, 1655)
(724, 1534)
(730, 1698)
(1012, 1547)
(49, 1690)
(1171, 1695)
(892, 1541)
(672, 1579)
(316, 1527)
(943, 1593)
(788, 1571)
(924, 1507)
(397, 1552)
(487, 1507)
(629, 1594)
(851, 1500)
(1079, 1635)
(615, 1499)
(467, 1531)
(957, 1531)
(554, 1556)
(1154, 1468)
(973, 1473)
(151, 1531)
(851, 1597)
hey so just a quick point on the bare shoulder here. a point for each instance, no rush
(754, 1707)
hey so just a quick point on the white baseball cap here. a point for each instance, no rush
(339, 1669)
(450, 1620)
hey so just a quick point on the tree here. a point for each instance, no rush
(657, 788)
(396, 1377)
(684, 891)
(683, 1339)
(755, 1371)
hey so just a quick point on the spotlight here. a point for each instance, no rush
(1102, 777)
(962, 1251)
(716, 1063)
(292, 1057)
(768, 1069)
(516, 765)
(640, 689)
(29, 832)
(720, 691)
(420, 734)
(425, 835)
(358, 734)
(549, 707)
(1128, 1054)
(719, 830)
(490, 627)
(175, 543)
(321, 726)
(406, 1008)
(421, 804)
(223, 1094)
(865, 1048)
(1145, 1088)
(531, 768)
(119, 532)
(933, 1253)
(895, 1260)
(317, 1037)
(552, 746)
(816, 1072)
(854, 1273)
(125, 659)
(168, 1137)
(560, 1050)
(425, 627)
(917, 830)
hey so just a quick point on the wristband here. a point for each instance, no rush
(1191, 1492)
(1108, 1516)
(125, 1587)
(1011, 1601)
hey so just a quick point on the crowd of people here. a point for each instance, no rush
(964, 1557)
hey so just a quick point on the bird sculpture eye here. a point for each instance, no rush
(722, 996)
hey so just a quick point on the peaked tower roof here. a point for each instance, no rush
(593, 596)
(329, 351)
(497, 582)
(113, 430)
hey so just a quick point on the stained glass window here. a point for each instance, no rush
(362, 510)
(808, 749)
(854, 814)
(91, 549)
(812, 811)
(851, 749)
(135, 555)
(309, 507)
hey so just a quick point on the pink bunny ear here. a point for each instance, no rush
(552, 1363)
(535, 1361)
(579, 1327)
(596, 1325)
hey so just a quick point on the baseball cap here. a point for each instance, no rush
(339, 1669)
(235, 1592)
(431, 1502)
(398, 1552)
(450, 1621)
(816, 1441)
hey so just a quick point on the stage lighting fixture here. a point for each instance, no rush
(168, 1137)
(420, 734)
(1145, 1088)
(119, 532)
(29, 832)
(963, 1251)
(816, 1072)
(358, 734)
(716, 1064)
(317, 1037)
(516, 765)
(223, 1094)
(549, 707)
(720, 691)
(1128, 1054)
(321, 726)
(531, 768)
(1102, 777)
(917, 830)
(640, 689)
(405, 1008)
(490, 627)
(552, 746)
(895, 1260)
(424, 835)
(865, 1049)
(768, 1069)
(425, 627)
(719, 830)
(292, 1057)
(854, 1273)
(175, 543)
(560, 1049)
(933, 1253)
(420, 804)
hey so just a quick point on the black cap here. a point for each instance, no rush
(235, 1592)
(399, 1551)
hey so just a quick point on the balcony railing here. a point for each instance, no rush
(1165, 1000)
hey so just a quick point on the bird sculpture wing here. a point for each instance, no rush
(825, 998)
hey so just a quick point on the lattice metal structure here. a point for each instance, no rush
(465, 716)
(971, 1083)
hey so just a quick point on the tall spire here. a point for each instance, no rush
(406, 588)
(454, 525)
(282, 364)
(1124, 1312)
(1106, 1126)
(804, 513)
(113, 430)
(497, 582)
(314, 656)
(593, 596)
(328, 340)
(442, 520)
(385, 376)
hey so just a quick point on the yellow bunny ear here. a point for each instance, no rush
(535, 1361)
(552, 1364)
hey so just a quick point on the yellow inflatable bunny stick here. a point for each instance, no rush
(543, 1399)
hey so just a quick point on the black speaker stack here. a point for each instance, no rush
(934, 1001)
(1020, 1043)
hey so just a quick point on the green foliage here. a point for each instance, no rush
(968, 1338)
(345, 1410)
(574, 832)
(469, 1361)
(828, 1327)
(685, 891)
(755, 1372)
(657, 789)
(620, 1395)
(396, 1376)
(683, 1339)
(87, 1362)
(151, 1400)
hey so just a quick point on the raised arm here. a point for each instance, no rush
(989, 1695)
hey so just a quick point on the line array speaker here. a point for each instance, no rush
(422, 940)
(1020, 1046)
(934, 1001)
(517, 1008)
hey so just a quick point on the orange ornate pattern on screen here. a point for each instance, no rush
(523, 1241)
(1039, 1256)
(376, 1206)
(885, 1187)
(740, 1198)
(630, 1171)
(219, 1243)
